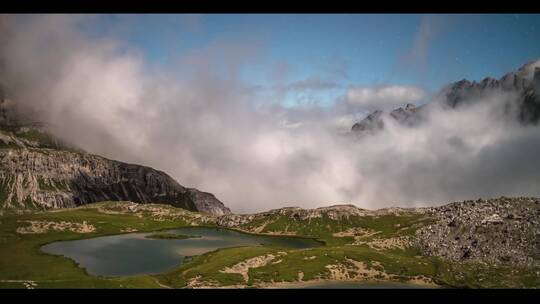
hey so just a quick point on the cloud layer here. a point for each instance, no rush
(383, 98)
(198, 121)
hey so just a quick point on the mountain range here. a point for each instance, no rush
(520, 88)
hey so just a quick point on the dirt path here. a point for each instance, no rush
(162, 285)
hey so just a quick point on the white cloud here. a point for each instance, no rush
(209, 131)
(431, 27)
(383, 98)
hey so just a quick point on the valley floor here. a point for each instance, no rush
(363, 249)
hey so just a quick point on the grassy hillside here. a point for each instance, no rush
(21, 260)
(372, 248)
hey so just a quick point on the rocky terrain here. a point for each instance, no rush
(335, 213)
(48, 178)
(520, 88)
(39, 171)
(503, 230)
(525, 82)
(463, 244)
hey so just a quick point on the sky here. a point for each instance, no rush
(344, 50)
(258, 109)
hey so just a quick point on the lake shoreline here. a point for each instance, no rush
(162, 253)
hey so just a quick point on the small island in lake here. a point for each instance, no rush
(170, 236)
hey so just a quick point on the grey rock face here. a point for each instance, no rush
(207, 202)
(407, 115)
(38, 171)
(524, 82)
(503, 230)
(47, 178)
(410, 115)
(371, 123)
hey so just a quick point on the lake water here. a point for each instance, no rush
(133, 253)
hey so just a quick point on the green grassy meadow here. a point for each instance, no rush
(21, 259)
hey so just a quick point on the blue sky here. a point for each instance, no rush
(340, 51)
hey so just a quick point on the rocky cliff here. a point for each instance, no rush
(520, 89)
(47, 178)
(38, 171)
(524, 83)
(409, 116)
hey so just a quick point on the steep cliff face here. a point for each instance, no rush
(48, 178)
(39, 172)
(524, 83)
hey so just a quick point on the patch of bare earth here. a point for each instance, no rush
(352, 271)
(198, 283)
(243, 267)
(37, 227)
(260, 228)
(400, 242)
(363, 237)
(155, 212)
(357, 233)
(355, 271)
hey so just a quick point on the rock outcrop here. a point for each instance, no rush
(48, 178)
(409, 115)
(371, 123)
(39, 171)
(502, 230)
(521, 87)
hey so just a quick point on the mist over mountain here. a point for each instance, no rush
(517, 96)
(214, 131)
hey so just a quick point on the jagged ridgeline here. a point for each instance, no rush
(520, 90)
(38, 171)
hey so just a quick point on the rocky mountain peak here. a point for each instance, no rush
(371, 123)
(490, 83)
(410, 107)
(374, 121)
(524, 82)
